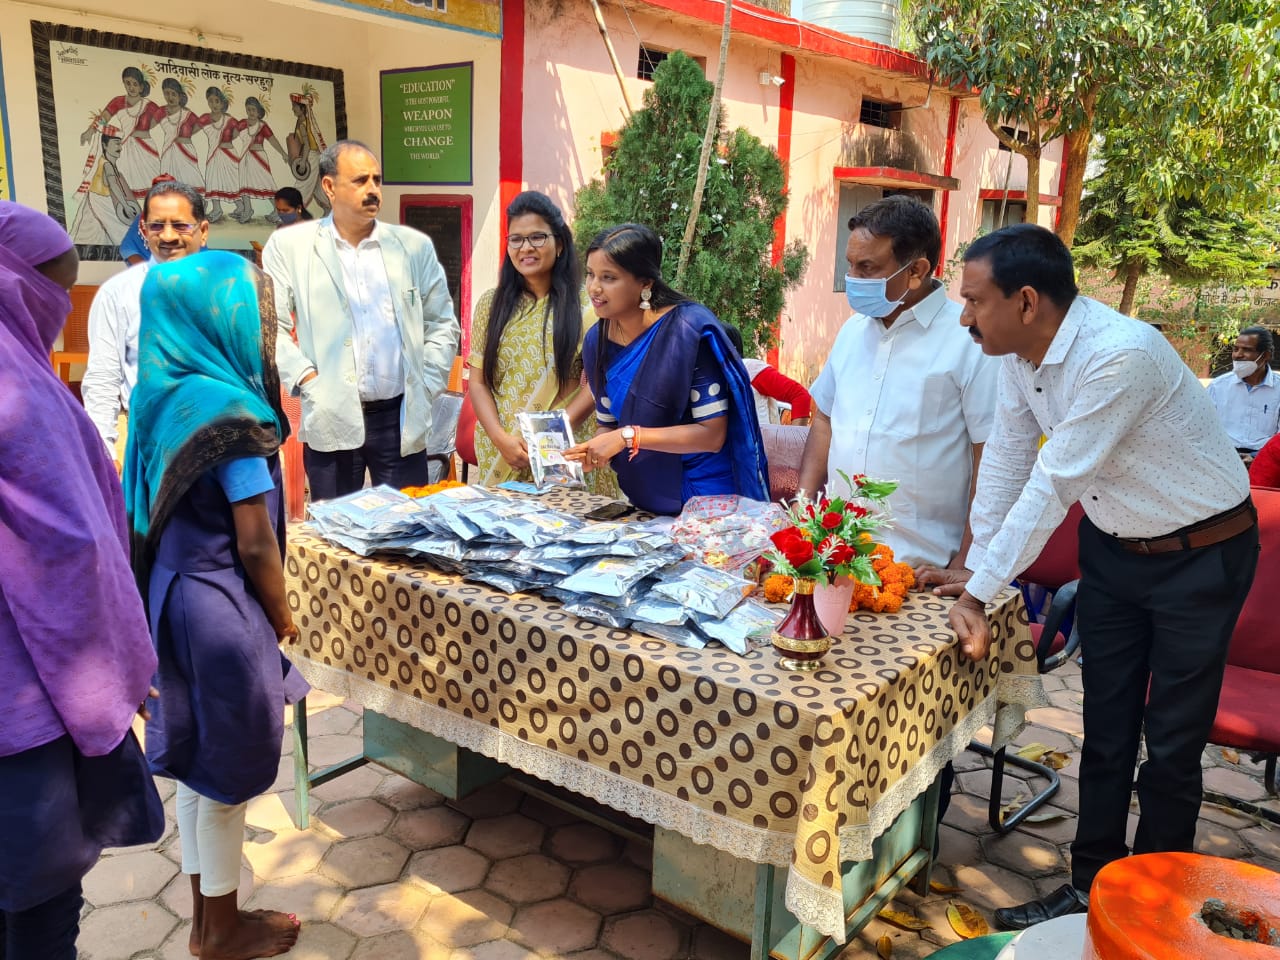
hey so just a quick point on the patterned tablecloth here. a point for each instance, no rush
(798, 770)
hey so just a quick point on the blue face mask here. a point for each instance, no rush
(868, 296)
(288, 218)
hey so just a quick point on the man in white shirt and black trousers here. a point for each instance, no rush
(1168, 545)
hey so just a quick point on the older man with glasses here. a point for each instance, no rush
(174, 224)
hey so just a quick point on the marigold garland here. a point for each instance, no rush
(430, 488)
(778, 588)
(896, 580)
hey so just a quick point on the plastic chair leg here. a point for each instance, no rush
(999, 759)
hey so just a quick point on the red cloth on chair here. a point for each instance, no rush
(465, 441)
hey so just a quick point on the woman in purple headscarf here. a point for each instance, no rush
(75, 655)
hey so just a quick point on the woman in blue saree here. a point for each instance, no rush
(673, 400)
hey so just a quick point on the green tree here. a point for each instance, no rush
(1066, 70)
(651, 178)
(1194, 224)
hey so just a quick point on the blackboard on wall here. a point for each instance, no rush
(444, 225)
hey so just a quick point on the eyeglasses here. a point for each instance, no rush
(536, 240)
(157, 226)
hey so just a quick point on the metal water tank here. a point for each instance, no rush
(870, 19)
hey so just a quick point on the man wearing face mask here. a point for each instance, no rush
(903, 394)
(1248, 398)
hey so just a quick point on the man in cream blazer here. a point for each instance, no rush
(376, 333)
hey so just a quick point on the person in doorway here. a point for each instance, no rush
(173, 220)
(202, 488)
(1168, 546)
(376, 334)
(526, 338)
(1248, 398)
(75, 658)
(673, 401)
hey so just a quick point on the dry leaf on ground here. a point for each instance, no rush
(966, 921)
(1033, 751)
(907, 921)
(1055, 760)
(937, 886)
(1048, 816)
(1230, 755)
(1013, 806)
(884, 947)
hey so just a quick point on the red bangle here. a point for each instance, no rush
(635, 443)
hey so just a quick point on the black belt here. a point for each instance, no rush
(373, 406)
(1216, 529)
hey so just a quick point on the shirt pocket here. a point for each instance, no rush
(919, 409)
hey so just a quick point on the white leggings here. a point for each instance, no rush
(212, 834)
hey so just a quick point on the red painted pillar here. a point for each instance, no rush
(1062, 178)
(948, 162)
(786, 104)
(511, 108)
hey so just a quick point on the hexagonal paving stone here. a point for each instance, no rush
(507, 836)
(285, 854)
(364, 862)
(176, 896)
(121, 930)
(322, 941)
(648, 935)
(528, 879)
(327, 750)
(535, 808)
(271, 811)
(556, 926)
(356, 818)
(494, 800)
(381, 909)
(611, 888)
(129, 876)
(312, 897)
(400, 793)
(1024, 854)
(448, 869)
(401, 945)
(360, 782)
(466, 919)
(494, 950)
(432, 827)
(581, 844)
(331, 720)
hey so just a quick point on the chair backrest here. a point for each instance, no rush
(465, 441)
(444, 422)
(784, 447)
(75, 333)
(1254, 643)
(295, 476)
(1059, 561)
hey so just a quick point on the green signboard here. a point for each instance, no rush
(426, 124)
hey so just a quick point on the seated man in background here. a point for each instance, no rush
(772, 387)
(1248, 398)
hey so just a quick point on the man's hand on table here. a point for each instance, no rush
(968, 615)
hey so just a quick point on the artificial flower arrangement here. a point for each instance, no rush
(832, 536)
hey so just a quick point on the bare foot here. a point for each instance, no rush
(265, 933)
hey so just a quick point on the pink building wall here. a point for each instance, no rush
(571, 97)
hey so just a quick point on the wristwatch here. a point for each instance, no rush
(631, 441)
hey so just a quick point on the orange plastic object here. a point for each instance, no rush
(1149, 907)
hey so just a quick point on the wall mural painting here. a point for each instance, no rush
(117, 111)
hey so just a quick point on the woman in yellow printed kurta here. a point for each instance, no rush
(526, 339)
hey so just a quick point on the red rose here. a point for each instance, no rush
(856, 510)
(858, 478)
(843, 553)
(798, 553)
(831, 520)
(785, 538)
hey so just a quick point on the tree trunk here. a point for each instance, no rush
(1033, 186)
(1076, 159)
(708, 141)
(1132, 273)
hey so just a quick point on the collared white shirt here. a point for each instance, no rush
(112, 370)
(908, 403)
(1251, 415)
(1131, 435)
(376, 335)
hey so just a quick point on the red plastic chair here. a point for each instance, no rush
(1247, 717)
(1057, 639)
(465, 441)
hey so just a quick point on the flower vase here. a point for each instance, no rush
(831, 601)
(800, 640)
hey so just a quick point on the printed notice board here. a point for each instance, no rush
(426, 124)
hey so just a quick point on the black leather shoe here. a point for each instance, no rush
(1062, 902)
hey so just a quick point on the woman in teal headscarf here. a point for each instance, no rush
(202, 489)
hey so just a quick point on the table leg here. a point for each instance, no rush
(762, 933)
(303, 778)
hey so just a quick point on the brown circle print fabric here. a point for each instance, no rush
(803, 770)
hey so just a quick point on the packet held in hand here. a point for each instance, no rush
(702, 589)
(548, 435)
(744, 623)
